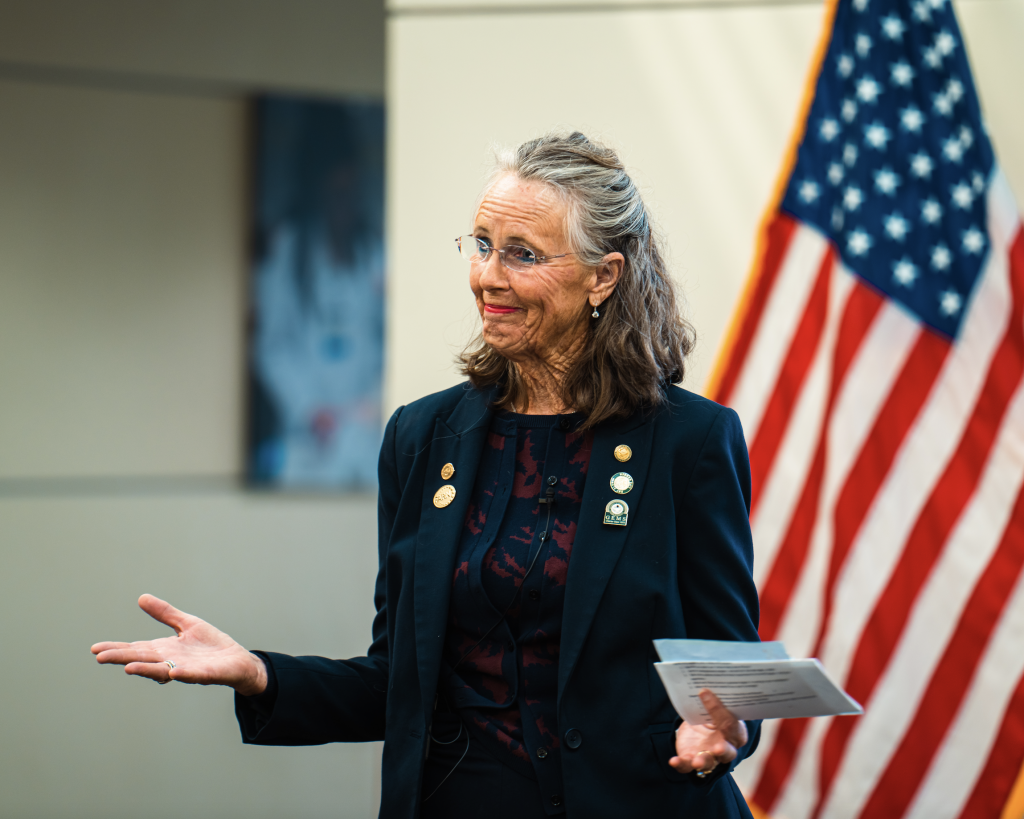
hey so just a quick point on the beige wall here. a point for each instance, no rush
(123, 201)
(699, 97)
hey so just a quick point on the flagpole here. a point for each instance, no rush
(1014, 808)
(739, 313)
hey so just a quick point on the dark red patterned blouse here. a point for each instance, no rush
(505, 681)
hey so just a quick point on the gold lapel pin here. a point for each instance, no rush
(621, 482)
(623, 453)
(616, 513)
(447, 471)
(444, 496)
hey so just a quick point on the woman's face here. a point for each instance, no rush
(540, 313)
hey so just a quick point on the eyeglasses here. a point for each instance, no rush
(514, 257)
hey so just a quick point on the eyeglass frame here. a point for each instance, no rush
(501, 251)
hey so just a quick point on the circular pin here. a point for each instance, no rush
(447, 471)
(623, 453)
(621, 482)
(617, 508)
(444, 496)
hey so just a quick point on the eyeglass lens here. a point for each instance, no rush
(514, 257)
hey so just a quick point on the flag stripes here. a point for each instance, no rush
(904, 426)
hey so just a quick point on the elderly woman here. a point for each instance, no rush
(539, 526)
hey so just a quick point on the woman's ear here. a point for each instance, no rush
(606, 277)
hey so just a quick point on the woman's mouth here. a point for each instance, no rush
(499, 309)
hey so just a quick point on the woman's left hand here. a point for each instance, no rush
(702, 748)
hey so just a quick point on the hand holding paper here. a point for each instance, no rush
(753, 680)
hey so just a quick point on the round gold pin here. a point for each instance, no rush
(623, 453)
(447, 471)
(444, 496)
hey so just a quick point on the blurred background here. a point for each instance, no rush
(128, 133)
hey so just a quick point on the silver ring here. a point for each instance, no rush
(170, 664)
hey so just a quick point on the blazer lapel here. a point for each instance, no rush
(460, 442)
(598, 546)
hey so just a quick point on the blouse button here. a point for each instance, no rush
(556, 799)
(534, 594)
(511, 646)
(542, 753)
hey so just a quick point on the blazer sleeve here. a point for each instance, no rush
(321, 700)
(716, 550)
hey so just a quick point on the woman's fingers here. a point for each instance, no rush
(123, 656)
(733, 730)
(166, 613)
(158, 671)
(106, 646)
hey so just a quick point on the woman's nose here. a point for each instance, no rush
(493, 274)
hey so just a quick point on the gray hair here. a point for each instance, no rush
(639, 344)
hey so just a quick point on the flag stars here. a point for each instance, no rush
(860, 5)
(896, 226)
(966, 137)
(912, 119)
(962, 195)
(931, 211)
(953, 150)
(901, 74)
(945, 43)
(849, 154)
(941, 258)
(859, 242)
(973, 241)
(893, 27)
(829, 129)
(978, 182)
(921, 165)
(904, 272)
(932, 58)
(848, 110)
(886, 181)
(955, 90)
(942, 104)
(862, 44)
(835, 173)
(877, 136)
(853, 198)
(844, 65)
(922, 13)
(949, 302)
(868, 89)
(837, 218)
(809, 192)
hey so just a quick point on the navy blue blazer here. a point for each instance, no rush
(680, 567)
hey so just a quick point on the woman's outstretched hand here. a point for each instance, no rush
(201, 654)
(702, 748)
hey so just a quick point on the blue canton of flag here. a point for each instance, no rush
(895, 161)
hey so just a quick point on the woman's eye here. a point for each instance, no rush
(522, 255)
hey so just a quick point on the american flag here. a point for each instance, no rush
(876, 363)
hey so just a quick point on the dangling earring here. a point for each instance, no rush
(595, 314)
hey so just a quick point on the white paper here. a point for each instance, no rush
(750, 688)
(671, 651)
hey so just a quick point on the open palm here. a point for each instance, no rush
(704, 747)
(201, 654)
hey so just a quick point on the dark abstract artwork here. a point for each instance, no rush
(316, 331)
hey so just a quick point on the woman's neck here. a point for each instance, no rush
(542, 380)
